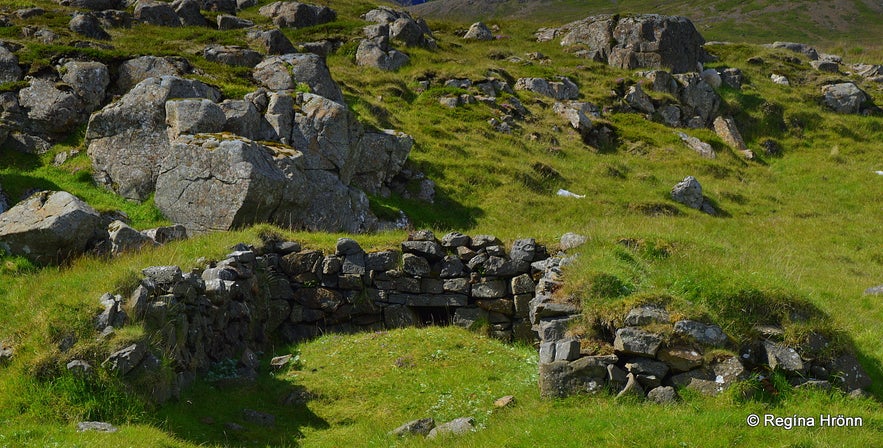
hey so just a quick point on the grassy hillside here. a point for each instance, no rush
(801, 228)
(832, 25)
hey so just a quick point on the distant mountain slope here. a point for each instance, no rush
(857, 22)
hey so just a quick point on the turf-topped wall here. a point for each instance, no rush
(233, 309)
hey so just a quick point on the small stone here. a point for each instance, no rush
(420, 427)
(503, 402)
(279, 362)
(456, 427)
(96, 426)
(572, 240)
(663, 395)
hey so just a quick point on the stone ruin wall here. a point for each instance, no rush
(279, 291)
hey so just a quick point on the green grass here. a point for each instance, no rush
(797, 232)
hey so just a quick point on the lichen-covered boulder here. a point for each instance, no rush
(845, 98)
(127, 140)
(49, 227)
(297, 15)
(135, 70)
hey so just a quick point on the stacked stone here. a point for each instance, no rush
(646, 363)
(234, 307)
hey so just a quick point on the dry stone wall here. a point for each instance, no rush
(236, 307)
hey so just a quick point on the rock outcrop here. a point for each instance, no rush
(127, 140)
(641, 41)
(845, 98)
(291, 14)
(285, 72)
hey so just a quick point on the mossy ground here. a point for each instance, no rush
(797, 231)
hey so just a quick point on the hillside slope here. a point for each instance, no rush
(852, 23)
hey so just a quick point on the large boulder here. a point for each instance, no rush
(49, 227)
(88, 25)
(127, 140)
(156, 13)
(479, 31)
(697, 98)
(845, 98)
(89, 80)
(287, 71)
(194, 116)
(372, 53)
(297, 15)
(51, 111)
(233, 55)
(327, 132)
(9, 68)
(188, 13)
(209, 185)
(563, 89)
(648, 40)
(272, 41)
(135, 70)
(401, 27)
(381, 156)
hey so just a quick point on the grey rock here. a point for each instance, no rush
(483, 241)
(163, 275)
(479, 31)
(135, 70)
(399, 316)
(732, 77)
(567, 350)
(9, 68)
(51, 111)
(430, 250)
(297, 15)
(380, 157)
(726, 129)
(370, 53)
(711, 77)
(489, 289)
(547, 352)
(126, 239)
(680, 359)
(381, 261)
(228, 22)
(49, 227)
(208, 185)
(689, 193)
(874, 290)
(420, 427)
(584, 375)
(635, 341)
(572, 240)
(703, 149)
(156, 13)
(638, 100)
(451, 267)
(188, 12)
(123, 361)
(523, 284)
(242, 118)
(86, 24)
(457, 285)
(825, 66)
(711, 335)
(663, 395)
(166, 234)
(783, 358)
(286, 71)
(96, 426)
(804, 49)
(194, 116)
(629, 42)
(697, 97)
(456, 427)
(89, 80)
(564, 89)
(127, 140)
(845, 98)
(232, 55)
(79, 367)
(466, 317)
(645, 315)
(272, 41)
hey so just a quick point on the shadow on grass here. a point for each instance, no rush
(266, 412)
